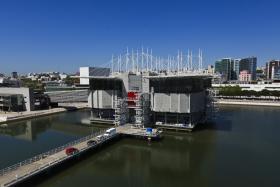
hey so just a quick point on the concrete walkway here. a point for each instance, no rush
(13, 116)
(248, 102)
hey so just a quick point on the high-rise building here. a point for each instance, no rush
(273, 70)
(250, 65)
(225, 67)
(236, 68)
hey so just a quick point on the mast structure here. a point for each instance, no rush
(139, 61)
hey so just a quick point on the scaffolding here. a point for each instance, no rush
(211, 106)
(120, 107)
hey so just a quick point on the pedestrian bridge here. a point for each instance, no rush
(27, 169)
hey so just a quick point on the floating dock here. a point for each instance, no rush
(27, 169)
(188, 128)
(102, 121)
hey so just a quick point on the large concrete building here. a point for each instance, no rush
(16, 99)
(145, 90)
(151, 99)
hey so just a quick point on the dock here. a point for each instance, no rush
(130, 130)
(187, 128)
(36, 165)
(101, 121)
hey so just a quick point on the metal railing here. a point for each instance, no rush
(51, 152)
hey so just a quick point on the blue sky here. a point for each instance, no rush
(62, 35)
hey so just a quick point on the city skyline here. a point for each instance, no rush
(64, 35)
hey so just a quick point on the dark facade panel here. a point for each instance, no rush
(179, 84)
(106, 84)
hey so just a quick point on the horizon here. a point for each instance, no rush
(43, 36)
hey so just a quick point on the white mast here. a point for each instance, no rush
(126, 63)
(137, 69)
(181, 61)
(147, 60)
(188, 58)
(191, 61)
(118, 63)
(151, 60)
(178, 63)
(112, 64)
(142, 59)
(132, 58)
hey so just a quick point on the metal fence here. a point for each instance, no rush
(49, 153)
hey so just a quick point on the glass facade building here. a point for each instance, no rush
(250, 65)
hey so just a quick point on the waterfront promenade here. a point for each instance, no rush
(24, 170)
(14, 116)
(248, 102)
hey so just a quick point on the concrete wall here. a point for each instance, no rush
(102, 99)
(27, 95)
(178, 103)
(68, 96)
(164, 102)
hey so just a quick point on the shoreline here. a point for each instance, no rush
(247, 102)
(17, 116)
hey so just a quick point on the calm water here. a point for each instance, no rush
(241, 149)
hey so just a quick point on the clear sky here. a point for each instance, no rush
(62, 35)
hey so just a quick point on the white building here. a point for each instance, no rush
(255, 87)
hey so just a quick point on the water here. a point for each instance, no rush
(240, 149)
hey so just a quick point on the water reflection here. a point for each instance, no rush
(71, 123)
(26, 131)
(174, 161)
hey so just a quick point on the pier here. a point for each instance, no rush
(36, 165)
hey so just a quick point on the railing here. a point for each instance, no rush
(49, 153)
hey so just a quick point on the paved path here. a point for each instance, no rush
(13, 116)
(248, 102)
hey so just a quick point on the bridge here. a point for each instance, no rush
(27, 169)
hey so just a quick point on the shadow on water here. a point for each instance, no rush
(219, 124)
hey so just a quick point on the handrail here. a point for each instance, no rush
(48, 153)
